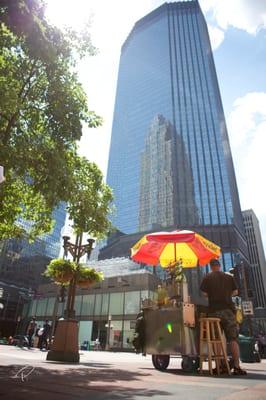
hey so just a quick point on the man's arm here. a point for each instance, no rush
(204, 286)
(234, 287)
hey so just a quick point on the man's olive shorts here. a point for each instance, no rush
(228, 323)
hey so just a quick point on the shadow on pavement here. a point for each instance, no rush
(250, 374)
(78, 383)
(85, 364)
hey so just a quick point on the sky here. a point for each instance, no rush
(238, 35)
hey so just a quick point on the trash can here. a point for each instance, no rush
(248, 354)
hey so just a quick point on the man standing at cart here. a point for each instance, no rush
(219, 287)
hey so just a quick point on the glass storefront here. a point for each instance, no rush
(119, 308)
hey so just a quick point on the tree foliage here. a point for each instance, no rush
(42, 110)
(89, 201)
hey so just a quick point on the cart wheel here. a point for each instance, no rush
(160, 361)
(190, 364)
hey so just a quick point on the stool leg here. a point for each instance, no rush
(224, 353)
(209, 348)
(201, 345)
(216, 350)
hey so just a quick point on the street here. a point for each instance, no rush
(104, 375)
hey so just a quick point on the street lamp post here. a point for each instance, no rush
(242, 280)
(65, 344)
(60, 298)
(77, 251)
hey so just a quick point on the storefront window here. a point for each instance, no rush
(60, 311)
(128, 334)
(144, 294)
(88, 304)
(78, 303)
(41, 307)
(105, 303)
(98, 304)
(32, 311)
(26, 311)
(153, 295)
(116, 334)
(50, 306)
(132, 302)
(116, 303)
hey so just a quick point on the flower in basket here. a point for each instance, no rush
(61, 271)
(87, 276)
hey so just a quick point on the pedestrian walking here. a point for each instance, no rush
(31, 329)
(45, 335)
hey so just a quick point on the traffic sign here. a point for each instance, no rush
(247, 307)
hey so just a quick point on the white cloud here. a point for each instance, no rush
(247, 128)
(111, 23)
(249, 15)
(216, 36)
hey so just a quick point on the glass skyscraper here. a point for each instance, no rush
(22, 262)
(256, 257)
(170, 162)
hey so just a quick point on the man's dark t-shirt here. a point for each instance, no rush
(219, 286)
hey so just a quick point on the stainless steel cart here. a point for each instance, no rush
(170, 331)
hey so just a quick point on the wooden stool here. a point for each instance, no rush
(211, 336)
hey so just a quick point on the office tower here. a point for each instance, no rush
(22, 262)
(256, 257)
(170, 163)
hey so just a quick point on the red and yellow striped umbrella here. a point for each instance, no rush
(166, 248)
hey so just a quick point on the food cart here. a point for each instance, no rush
(169, 331)
(167, 328)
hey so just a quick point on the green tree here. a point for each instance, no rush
(42, 110)
(89, 205)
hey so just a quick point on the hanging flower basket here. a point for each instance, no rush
(88, 276)
(84, 284)
(61, 271)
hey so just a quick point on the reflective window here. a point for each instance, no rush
(144, 294)
(168, 118)
(105, 303)
(78, 304)
(32, 311)
(98, 304)
(41, 307)
(132, 302)
(50, 306)
(128, 334)
(116, 334)
(88, 304)
(60, 310)
(116, 303)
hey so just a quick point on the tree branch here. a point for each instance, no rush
(13, 118)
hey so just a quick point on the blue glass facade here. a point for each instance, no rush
(170, 162)
(22, 262)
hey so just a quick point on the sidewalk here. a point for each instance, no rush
(26, 374)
